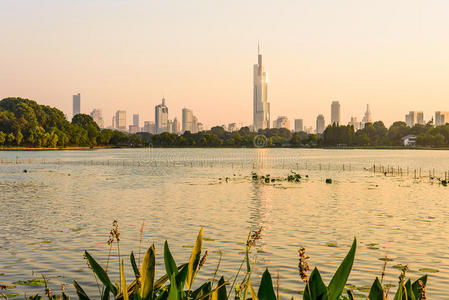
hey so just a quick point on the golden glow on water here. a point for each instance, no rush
(56, 210)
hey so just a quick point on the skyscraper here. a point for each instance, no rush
(76, 104)
(97, 116)
(187, 120)
(161, 117)
(149, 127)
(282, 122)
(261, 107)
(299, 126)
(320, 125)
(335, 113)
(120, 120)
(176, 128)
(414, 117)
(136, 120)
(367, 118)
(195, 124)
(354, 123)
(441, 118)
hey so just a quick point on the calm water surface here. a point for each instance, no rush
(67, 201)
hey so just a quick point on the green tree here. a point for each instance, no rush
(2, 138)
(10, 138)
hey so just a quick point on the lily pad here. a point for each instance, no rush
(31, 282)
(263, 252)
(10, 295)
(429, 270)
(385, 259)
(208, 239)
(398, 266)
(331, 244)
(364, 288)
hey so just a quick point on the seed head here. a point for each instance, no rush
(303, 265)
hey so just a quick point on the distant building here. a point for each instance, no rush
(120, 120)
(441, 118)
(96, 114)
(149, 127)
(136, 120)
(76, 104)
(282, 122)
(195, 125)
(414, 117)
(175, 126)
(367, 118)
(233, 127)
(409, 140)
(355, 123)
(308, 129)
(320, 124)
(200, 127)
(187, 120)
(261, 107)
(299, 126)
(133, 129)
(161, 117)
(335, 113)
(114, 122)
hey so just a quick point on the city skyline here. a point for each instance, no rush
(113, 55)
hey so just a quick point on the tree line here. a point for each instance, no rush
(25, 123)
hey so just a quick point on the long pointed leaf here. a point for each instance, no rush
(80, 292)
(105, 295)
(340, 277)
(251, 291)
(123, 282)
(147, 277)
(266, 291)
(101, 273)
(194, 260)
(415, 286)
(316, 286)
(134, 265)
(409, 291)
(173, 293)
(220, 291)
(170, 265)
(376, 292)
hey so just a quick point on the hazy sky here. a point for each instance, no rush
(121, 54)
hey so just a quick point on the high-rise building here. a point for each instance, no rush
(169, 126)
(320, 124)
(114, 122)
(335, 113)
(149, 127)
(161, 117)
(441, 118)
(76, 104)
(97, 116)
(261, 107)
(282, 122)
(367, 118)
(120, 120)
(414, 117)
(175, 125)
(136, 120)
(187, 120)
(299, 126)
(195, 125)
(354, 123)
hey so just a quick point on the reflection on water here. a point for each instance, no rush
(66, 202)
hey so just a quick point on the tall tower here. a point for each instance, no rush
(76, 104)
(261, 107)
(335, 113)
(161, 117)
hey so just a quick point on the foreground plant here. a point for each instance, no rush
(178, 282)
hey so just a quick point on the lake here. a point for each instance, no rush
(66, 201)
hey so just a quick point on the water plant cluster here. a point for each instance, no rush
(292, 177)
(178, 282)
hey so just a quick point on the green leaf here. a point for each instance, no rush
(147, 277)
(376, 292)
(80, 292)
(105, 295)
(181, 278)
(266, 291)
(134, 265)
(202, 290)
(415, 286)
(340, 277)
(65, 296)
(101, 274)
(170, 265)
(194, 260)
(400, 292)
(317, 287)
(219, 292)
(123, 282)
(251, 291)
(173, 293)
(409, 291)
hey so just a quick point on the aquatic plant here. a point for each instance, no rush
(178, 282)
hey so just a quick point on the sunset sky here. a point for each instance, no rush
(127, 55)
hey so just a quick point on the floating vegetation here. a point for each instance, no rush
(1, 274)
(294, 177)
(372, 247)
(331, 244)
(208, 239)
(10, 295)
(385, 259)
(428, 270)
(328, 180)
(32, 282)
(263, 252)
(398, 266)
(76, 229)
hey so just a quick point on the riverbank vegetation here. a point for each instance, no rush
(180, 279)
(26, 124)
